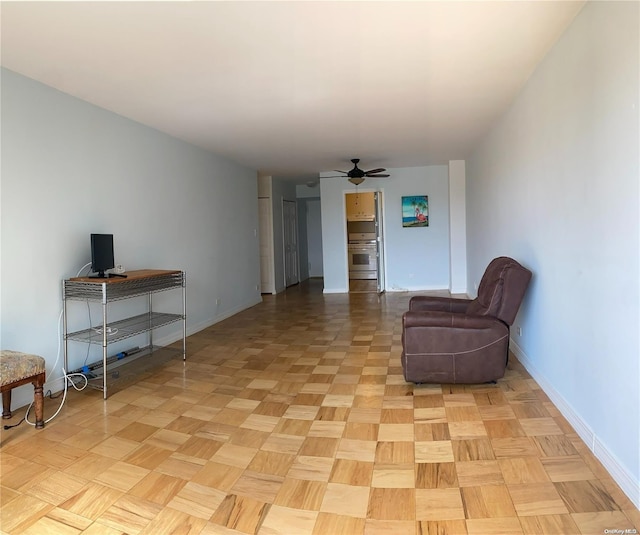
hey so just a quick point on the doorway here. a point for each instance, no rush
(290, 238)
(365, 244)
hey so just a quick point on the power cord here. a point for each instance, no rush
(50, 395)
(80, 270)
(67, 377)
(14, 425)
(110, 330)
(47, 395)
(67, 380)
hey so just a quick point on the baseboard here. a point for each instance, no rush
(458, 291)
(618, 472)
(393, 289)
(335, 291)
(417, 289)
(192, 329)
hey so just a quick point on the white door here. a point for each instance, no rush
(379, 243)
(290, 234)
(267, 279)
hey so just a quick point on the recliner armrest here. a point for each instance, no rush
(445, 347)
(454, 320)
(442, 304)
(444, 333)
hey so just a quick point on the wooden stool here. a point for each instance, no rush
(18, 369)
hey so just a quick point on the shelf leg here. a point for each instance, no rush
(150, 329)
(184, 316)
(104, 341)
(64, 330)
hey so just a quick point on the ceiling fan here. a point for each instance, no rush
(356, 175)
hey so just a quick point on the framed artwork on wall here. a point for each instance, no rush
(415, 211)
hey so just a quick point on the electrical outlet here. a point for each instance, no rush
(519, 330)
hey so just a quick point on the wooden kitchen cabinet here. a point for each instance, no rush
(361, 206)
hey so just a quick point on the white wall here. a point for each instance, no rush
(303, 191)
(69, 169)
(555, 185)
(334, 234)
(416, 258)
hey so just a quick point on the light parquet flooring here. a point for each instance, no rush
(293, 417)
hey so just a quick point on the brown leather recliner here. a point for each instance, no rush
(448, 340)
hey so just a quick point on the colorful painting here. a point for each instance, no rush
(415, 211)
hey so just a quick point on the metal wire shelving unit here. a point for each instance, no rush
(105, 291)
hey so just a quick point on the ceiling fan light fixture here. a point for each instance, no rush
(357, 176)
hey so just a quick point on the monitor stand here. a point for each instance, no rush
(103, 275)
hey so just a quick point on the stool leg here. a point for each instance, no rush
(6, 404)
(38, 399)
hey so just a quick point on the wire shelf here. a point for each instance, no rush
(126, 328)
(122, 371)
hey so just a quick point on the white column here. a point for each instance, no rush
(457, 227)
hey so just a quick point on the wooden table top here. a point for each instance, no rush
(130, 275)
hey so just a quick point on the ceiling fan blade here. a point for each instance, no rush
(338, 171)
(379, 170)
(378, 176)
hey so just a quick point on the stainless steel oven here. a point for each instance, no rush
(362, 260)
(361, 231)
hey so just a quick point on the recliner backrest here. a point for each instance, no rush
(501, 290)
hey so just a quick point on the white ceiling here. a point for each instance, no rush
(293, 88)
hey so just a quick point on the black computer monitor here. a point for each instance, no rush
(101, 254)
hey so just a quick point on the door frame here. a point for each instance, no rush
(381, 260)
(380, 226)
